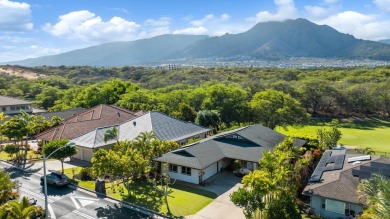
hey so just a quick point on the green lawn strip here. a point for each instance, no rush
(5, 156)
(372, 133)
(183, 200)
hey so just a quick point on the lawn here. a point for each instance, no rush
(183, 200)
(5, 156)
(369, 132)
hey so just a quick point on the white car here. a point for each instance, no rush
(241, 172)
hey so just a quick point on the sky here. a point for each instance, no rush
(34, 28)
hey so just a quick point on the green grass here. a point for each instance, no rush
(183, 200)
(369, 132)
(5, 156)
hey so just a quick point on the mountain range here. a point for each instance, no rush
(266, 41)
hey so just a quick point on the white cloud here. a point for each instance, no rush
(331, 1)
(362, 26)
(285, 10)
(316, 11)
(86, 26)
(157, 27)
(192, 30)
(15, 16)
(210, 18)
(382, 4)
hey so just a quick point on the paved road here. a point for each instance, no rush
(70, 203)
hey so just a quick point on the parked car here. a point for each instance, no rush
(56, 178)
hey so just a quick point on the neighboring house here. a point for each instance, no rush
(333, 186)
(163, 126)
(197, 162)
(64, 114)
(10, 106)
(84, 122)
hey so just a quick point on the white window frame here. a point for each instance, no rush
(327, 205)
(184, 170)
(171, 168)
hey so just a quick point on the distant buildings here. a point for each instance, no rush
(10, 106)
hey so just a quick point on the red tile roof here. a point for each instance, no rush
(98, 116)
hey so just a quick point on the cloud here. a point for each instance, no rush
(285, 10)
(156, 27)
(15, 16)
(383, 5)
(86, 26)
(362, 26)
(192, 30)
(210, 18)
(316, 11)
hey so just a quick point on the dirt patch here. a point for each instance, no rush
(19, 72)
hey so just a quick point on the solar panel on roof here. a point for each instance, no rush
(327, 163)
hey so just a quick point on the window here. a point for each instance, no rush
(4, 109)
(172, 168)
(333, 206)
(186, 171)
(12, 108)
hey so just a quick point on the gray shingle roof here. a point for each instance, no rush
(246, 143)
(341, 184)
(65, 114)
(164, 127)
(8, 101)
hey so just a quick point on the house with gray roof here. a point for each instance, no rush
(10, 106)
(197, 162)
(164, 127)
(333, 188)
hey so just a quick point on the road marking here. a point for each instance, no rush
(41, 196)
(52, 215)
(75, 202)
(82, 214)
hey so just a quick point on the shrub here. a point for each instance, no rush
(86, 174)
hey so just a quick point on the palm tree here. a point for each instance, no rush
(2, 117)
(18, 210)
(376, 191)
(6, 187)
(111, 134)
(25, 122)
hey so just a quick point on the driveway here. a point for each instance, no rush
(223, 184)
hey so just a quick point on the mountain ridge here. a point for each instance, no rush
(267, 40)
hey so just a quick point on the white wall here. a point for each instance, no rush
(84, 154)
(316, 204)
(210, 171)
(16, 109)
(224, 163)
(194, 178)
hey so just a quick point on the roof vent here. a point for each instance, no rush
(360, 158)
(119, 115)
(134, 123)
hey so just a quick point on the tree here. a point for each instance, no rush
(376, 192)
(2, 118)
(208, 118)
(270, 191)
(329, 136)
(19, 210)
(185, 112)
(61, 154)
(274, 108)
(11, 149)
(6, 186)
(110, 134)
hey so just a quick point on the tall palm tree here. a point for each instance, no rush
(111, 134)
(25, 121)
(18, 210)
(6, 186)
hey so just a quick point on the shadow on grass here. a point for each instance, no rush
(354, 123)
(144, 194)
(197, 191)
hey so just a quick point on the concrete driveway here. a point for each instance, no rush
(223, 184)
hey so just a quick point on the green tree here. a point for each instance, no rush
(208, 118)
(61, 154)
(18, 210)
(185, 112)
(376, 192)
(110, 134)
(329, 136)
(274, 108)
(6, 186)
(270, 191)
(11, 149)
(2, 118)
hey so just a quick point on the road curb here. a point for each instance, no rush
(124, 203)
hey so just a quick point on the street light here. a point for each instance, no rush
(69, 144)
